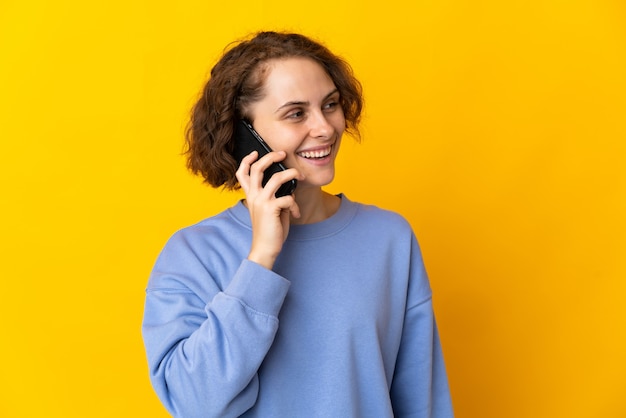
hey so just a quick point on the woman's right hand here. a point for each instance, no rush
(270, 215)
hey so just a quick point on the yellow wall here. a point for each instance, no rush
(497, 128)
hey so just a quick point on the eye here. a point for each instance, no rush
(331, 106)
(295, 114)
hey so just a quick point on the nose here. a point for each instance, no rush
(319, 126)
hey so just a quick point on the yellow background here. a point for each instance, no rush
(497, 128)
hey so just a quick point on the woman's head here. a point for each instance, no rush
(237, 81)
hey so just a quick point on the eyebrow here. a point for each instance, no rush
(303, 103)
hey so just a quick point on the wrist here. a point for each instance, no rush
(263, 260)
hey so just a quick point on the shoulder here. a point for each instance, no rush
(200, 255)
(209, 231)
(382, 219)
(208, 239)
(380, 227)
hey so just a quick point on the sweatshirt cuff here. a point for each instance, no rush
(259, 288)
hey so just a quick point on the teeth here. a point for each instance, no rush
(315, 154)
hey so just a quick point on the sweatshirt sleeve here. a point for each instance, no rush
(420, 384)
(204, 355)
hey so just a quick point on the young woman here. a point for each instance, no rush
(305, 305)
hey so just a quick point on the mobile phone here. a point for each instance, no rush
(247, 140)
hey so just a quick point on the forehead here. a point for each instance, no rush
(296, 78)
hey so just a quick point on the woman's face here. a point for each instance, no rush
(301, 115)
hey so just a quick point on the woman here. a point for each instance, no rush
(305, 305)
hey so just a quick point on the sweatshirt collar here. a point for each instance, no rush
(327, 227)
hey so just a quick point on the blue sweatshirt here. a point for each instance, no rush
(342, 327)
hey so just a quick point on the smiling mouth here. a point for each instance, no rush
(312, 155)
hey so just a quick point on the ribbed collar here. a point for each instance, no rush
(337, 222)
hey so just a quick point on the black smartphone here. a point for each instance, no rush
(248, 140)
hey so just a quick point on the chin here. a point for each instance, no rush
(317, 181)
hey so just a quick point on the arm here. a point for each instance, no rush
(204, 358)
(420, 384)
(204, 351)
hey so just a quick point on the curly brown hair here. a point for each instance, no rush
(236, 81)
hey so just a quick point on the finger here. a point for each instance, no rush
(267, 160)
(287, 205)
(243, 171)
(294, 209)
(259, 168)
(255, 169)
(247, 162)
(280, 178)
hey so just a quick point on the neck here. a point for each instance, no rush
(315, 205)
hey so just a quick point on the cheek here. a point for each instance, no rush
(337, 145)
(339, 122)
(281, 141)
(273, 137)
